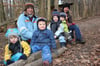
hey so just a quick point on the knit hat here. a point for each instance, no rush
(67, 5)
(41, 19)
(27, 5)
(12, 31)
(62, 14)
(55, 13)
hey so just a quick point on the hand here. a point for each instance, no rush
(66, 18)
(55, 36)
(9, 62)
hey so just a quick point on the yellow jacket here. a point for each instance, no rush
(25, 46)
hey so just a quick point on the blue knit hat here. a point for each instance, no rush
(63, 14)
(12, 31)
(55, 12)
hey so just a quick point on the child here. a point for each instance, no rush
(65, 27)
(15, 49)
(56, 27)
(43, 40)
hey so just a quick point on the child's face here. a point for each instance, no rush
(42, 25)
(62, 18)
(55, 18)
(13, 39)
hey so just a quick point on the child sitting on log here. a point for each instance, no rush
(65, 28)
(56, 27)
(43, 40)
(15, 49)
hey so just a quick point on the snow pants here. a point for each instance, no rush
(46, 52)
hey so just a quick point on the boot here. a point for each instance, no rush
(46, 63)
(63, 45)
(80, 41)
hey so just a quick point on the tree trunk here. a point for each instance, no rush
(49, 10)
(85, 9)
(42, 8)
(2, 12)
(76, 10)
(56, 4)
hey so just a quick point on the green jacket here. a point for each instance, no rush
(65, 26)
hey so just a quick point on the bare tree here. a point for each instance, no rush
(56, 4)
(49, 9)
(42, 8)
(2, 11)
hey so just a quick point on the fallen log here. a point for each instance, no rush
(39, 61)
(31, 58)
(36, 56)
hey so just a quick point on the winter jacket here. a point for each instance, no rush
(43, 37)
(54, 25)
(26, 27)
(58, 31)
(8, 52)
(65, 26)
(69, 17)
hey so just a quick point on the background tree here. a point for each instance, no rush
(2, 16)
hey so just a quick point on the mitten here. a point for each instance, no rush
(9, 62)
(24, 57)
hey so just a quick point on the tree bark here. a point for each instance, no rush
(2, 12)
(42, 8)
(85, 9)
(49, 10)
(56, 4)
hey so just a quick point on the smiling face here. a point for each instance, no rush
(55, 18)
(42, 25)
(62, 18)
(13, 39)
(66, 9)
(30, 11)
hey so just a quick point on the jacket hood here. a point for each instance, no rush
(41, 19)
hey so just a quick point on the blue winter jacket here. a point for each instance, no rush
(26, 27)
(43, 37)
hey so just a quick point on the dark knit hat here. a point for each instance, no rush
(62, 14)
(67, 5)
(41, 19)
(28, 5)
(55, 12)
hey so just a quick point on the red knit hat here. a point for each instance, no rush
(28, 5)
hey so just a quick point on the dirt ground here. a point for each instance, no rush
(87, 54)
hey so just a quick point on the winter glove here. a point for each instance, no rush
(24, 57)
(9, 62)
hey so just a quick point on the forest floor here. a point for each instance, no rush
(87, 54)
